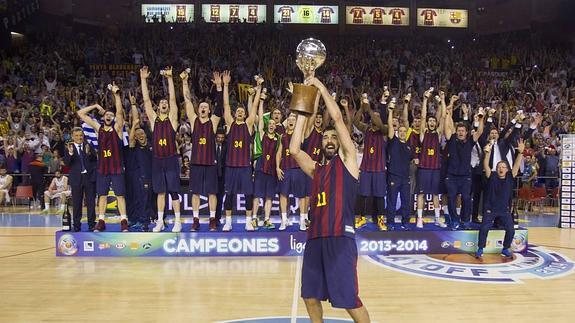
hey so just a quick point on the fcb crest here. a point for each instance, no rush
(455, 17)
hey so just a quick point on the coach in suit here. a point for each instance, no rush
(82, 161)
(221, 152)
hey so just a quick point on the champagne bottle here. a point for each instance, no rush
(66, 219)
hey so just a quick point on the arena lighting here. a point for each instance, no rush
(449, 40)
(452, 47)
(16, 34)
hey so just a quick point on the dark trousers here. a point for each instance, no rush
(86, 189)
(398, 186)
(477, 184)
(140, 202)
(220, 197)
(458, 185)
(505, 219)
(38, 190)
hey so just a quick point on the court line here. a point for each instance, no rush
(296, 284)
(25, 235)
(27, 252)
(558, 247)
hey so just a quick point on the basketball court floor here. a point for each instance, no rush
(37, 286)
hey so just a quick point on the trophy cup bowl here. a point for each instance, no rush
(311, 54)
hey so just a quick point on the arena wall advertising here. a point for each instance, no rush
(304, 14)
(234, 13)
(436, 17)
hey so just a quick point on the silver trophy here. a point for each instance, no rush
(311, 54)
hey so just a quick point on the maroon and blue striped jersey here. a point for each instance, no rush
(374, 154)
(280, 129)
(239, 140)
(110, 161)
(268, 158)
(313, 145)
(203, 143)
(164, 139)
(414, 141)
(333, 196)
(429, 157)
(287, 161)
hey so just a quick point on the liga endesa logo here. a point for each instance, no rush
(537, 262)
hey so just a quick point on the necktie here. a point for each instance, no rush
(81, 154)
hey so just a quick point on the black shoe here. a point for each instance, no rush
(77, 229)
(476, 221)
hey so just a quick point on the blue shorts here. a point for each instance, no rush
(239, 180)
(117, 182)
(428, 181)
(265, 185)
(203, 179)
(166, 175)
(295, 182)
(372, 184)
(442, 176)
(329, 272)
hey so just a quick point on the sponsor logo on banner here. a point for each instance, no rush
(134, 246)
(103, 246)
(120, 245)
(67, 245)
(147, 245)
(445, 244)
(89, 246)
(537, 262)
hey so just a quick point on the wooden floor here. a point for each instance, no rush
(37, 286)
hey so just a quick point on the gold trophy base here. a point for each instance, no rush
(303, 99)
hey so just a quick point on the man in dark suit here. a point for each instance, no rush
(221, 152)
(82, 161)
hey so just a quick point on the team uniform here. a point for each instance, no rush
(325, 13)
(166, 174)
(400, 156)
(428, 174)
(61, 190)
(110, 163)
(234, 13)
(286, 12)
(358, 13)
(377, 14)
(238, 167)
(396, 16)
(215, 13)
(372, 181)
(329, 270)
(253, 14)
(312, 146)
(266, 183)
(428, 17)
(294, 178)
(203, 169)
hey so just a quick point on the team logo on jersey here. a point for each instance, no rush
(536, 262)
(67, 245)
(455, 17)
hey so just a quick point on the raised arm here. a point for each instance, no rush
(83, 115)
(261, 126)
(390, 130)
(251, 117)
(301, 157)
(228, 118)
(479, 131)
(519, 158)
(374, 117)
(119, 124)
(188, 105)
(358, 120)
(406, 108)
(487, 150)
(346, 144)
(173, 114)
(135, 122)
(448, 128)
(422, 127)
(311, 119)
(150, 113)
(279, 171)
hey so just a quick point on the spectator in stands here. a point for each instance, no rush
(37, 171)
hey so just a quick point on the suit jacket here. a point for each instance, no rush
(221, 159)
(74, 163)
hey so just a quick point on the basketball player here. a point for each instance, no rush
(400, 156)
(499, 193)
(329, 269)
(5, 184)
(266, 182)
(164, 123)
(428, 174)
(203, 169)
(238, 164)
(458, 180)
(110, 159)
(372, 181)
(58, 189)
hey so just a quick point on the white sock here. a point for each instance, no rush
(458, 210)
(177, 215)
(196, 214)
(62, 207)
(303, 217)
(249, 219)
(47, 205)
(160, 216)
(212, 214)
(228, 219)
(123, 217)
(445, 210)
(284, 216)
(420, 213)
(436, 210)
(101, 217)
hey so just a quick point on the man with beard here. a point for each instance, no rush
(329, 270)
(163, 124)
(428, 174)
(238, 163)
(372, 181)
(110, 159)
(58, 188)
(203, 168)
(458, 179)
(498, 194)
